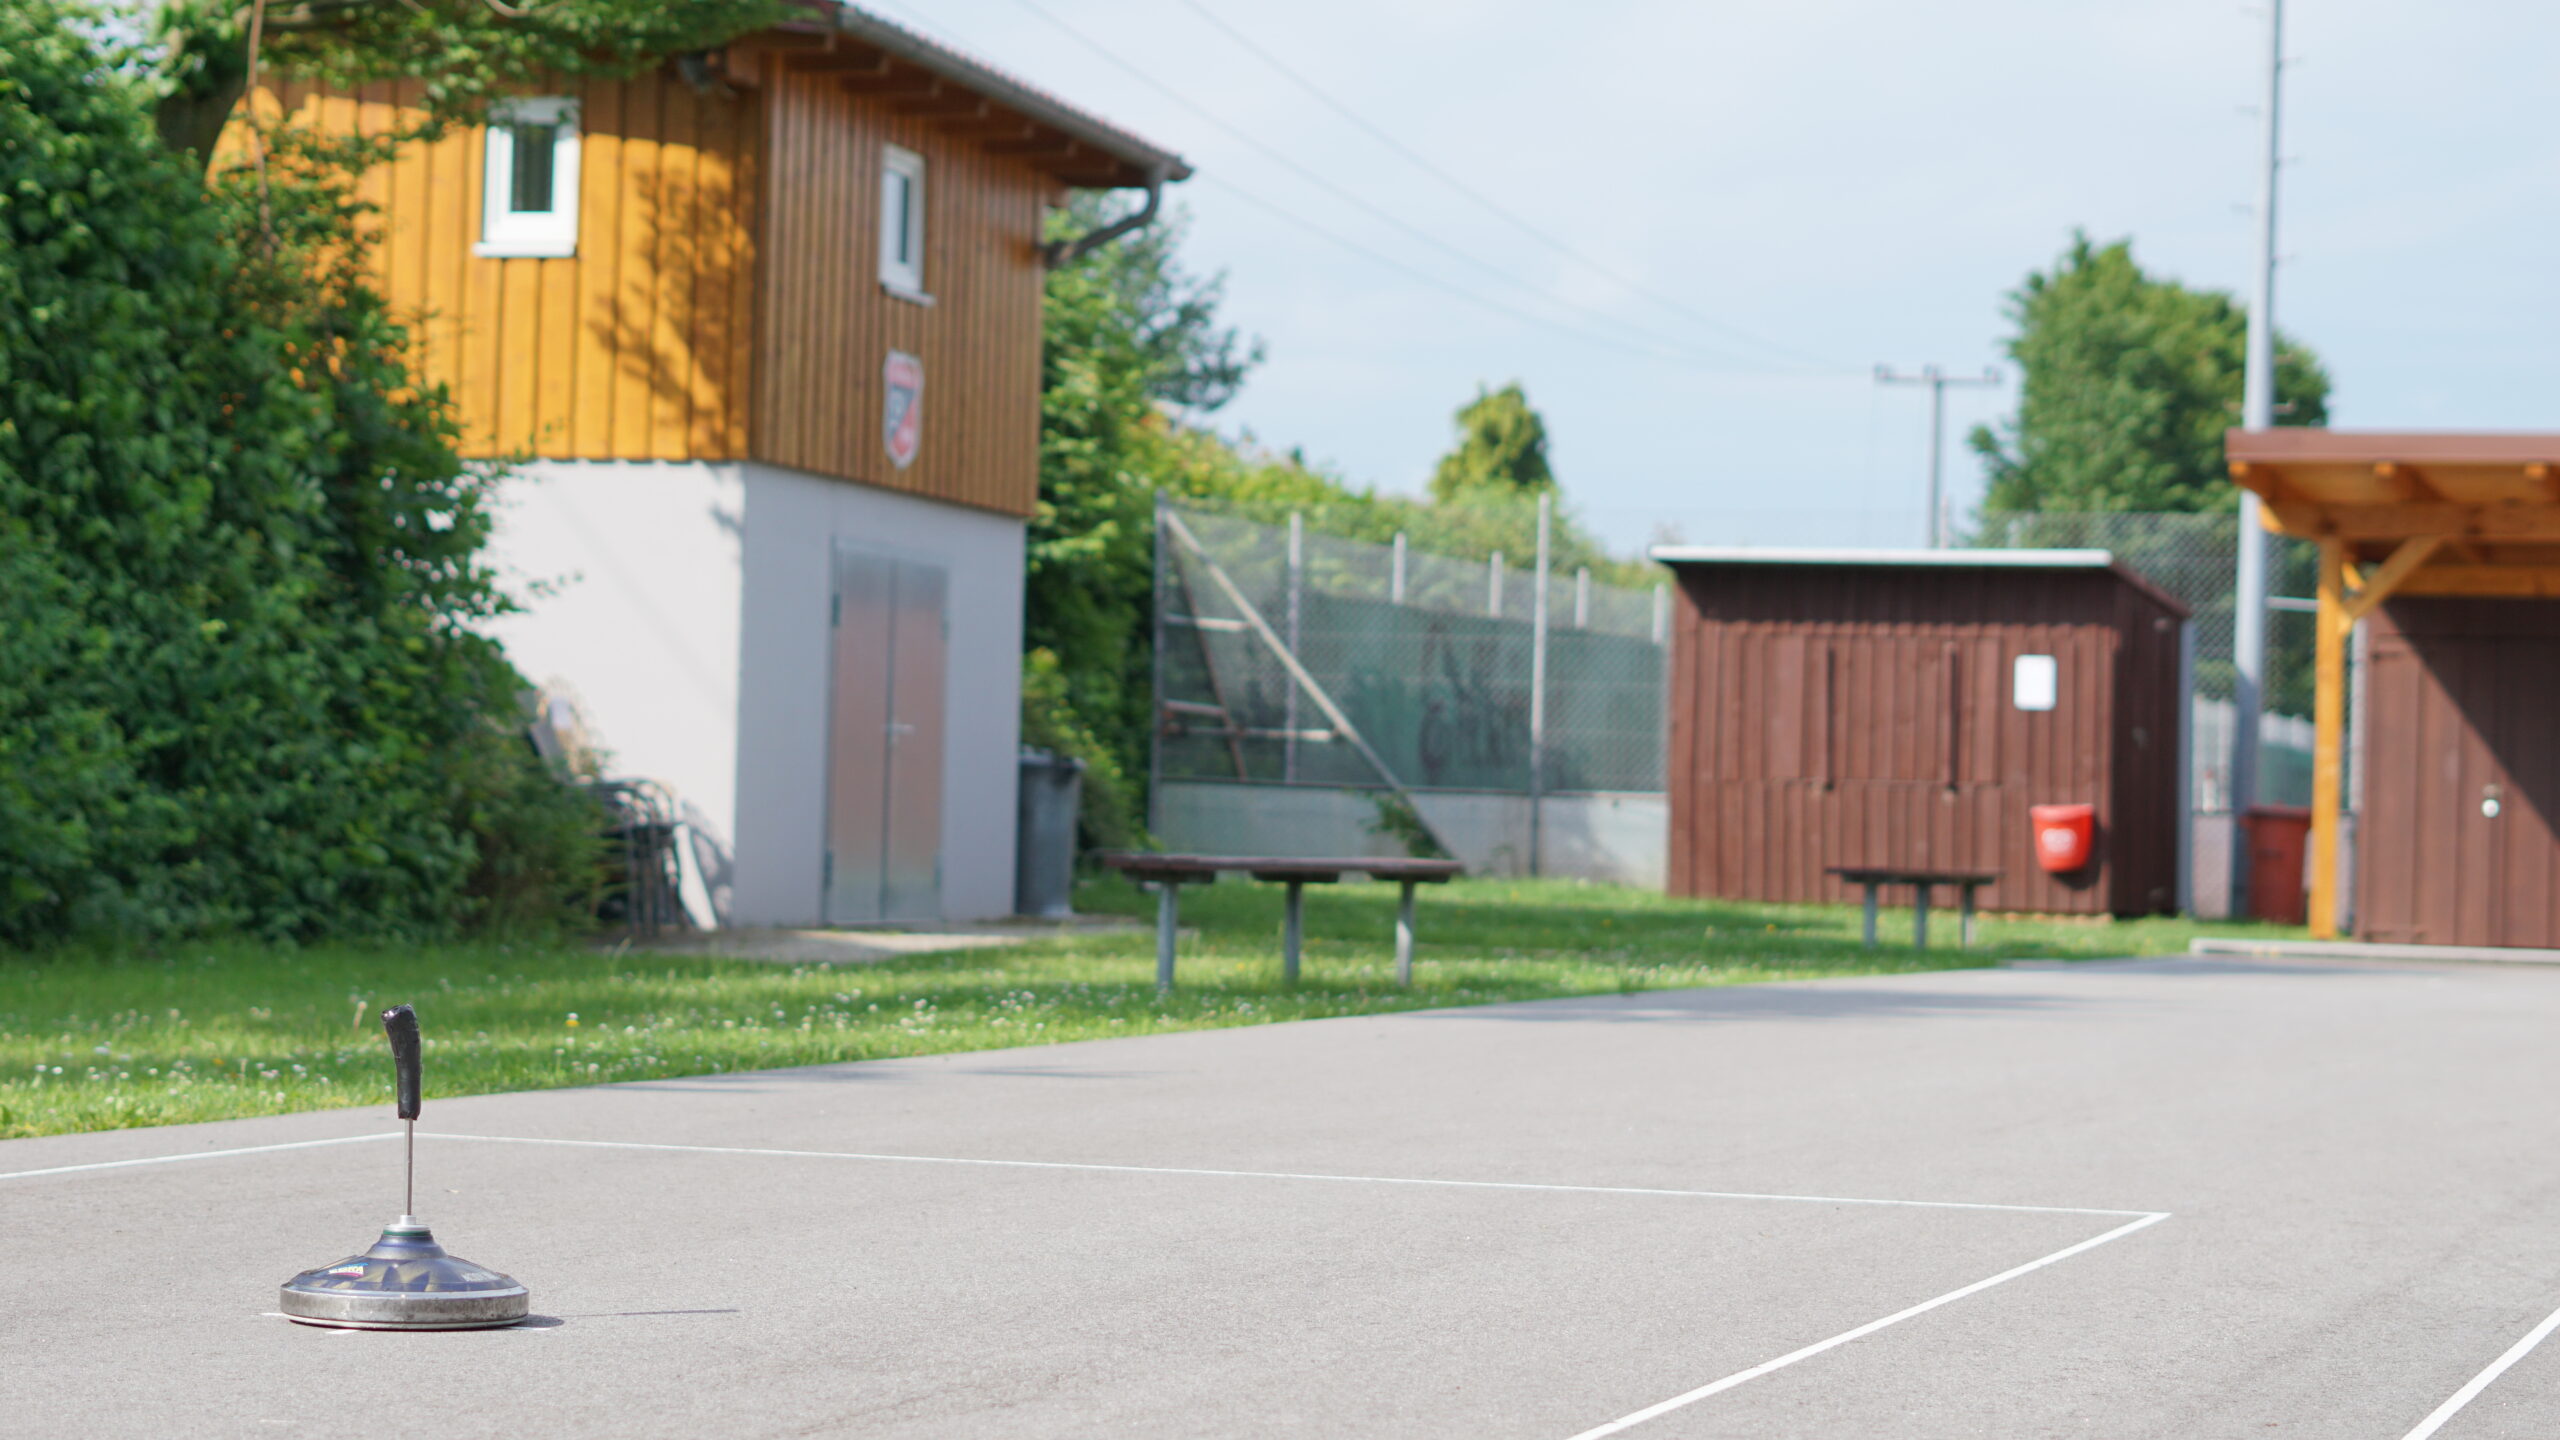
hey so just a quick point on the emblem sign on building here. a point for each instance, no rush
(902, 413)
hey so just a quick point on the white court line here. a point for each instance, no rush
(1718, 1387)
(2480, 1382)
(196, 1155)
(1291, 1175)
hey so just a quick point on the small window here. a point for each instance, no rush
(529, 203)
(902, 223)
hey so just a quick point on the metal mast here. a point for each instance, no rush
(2257, 412)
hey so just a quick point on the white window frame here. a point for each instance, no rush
(906, 281)
(552, 233)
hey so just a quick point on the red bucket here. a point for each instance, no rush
(2065, 835)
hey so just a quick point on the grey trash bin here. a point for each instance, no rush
(1044, 854)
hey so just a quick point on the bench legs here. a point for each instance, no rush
(1168, 911)
(1293, 929)
(1871, 914)
(1404, 935)
(1968, 917)
(1920, 917)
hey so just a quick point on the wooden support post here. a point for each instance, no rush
(2329, 736)
(1871, 914)
(1920, 917)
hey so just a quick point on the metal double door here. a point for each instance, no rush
(889, 655)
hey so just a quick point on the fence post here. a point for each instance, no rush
(1395, 572)
(1162, 559)
(1493, 585)
(1582, 598)
(1661, 613)
(1297, 580)
(1538, 684)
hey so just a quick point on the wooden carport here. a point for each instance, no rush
(2397, 515)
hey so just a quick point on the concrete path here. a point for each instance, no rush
(1209, 1234)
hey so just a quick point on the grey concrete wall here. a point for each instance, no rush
(685, 605)
(1615, 837)
(628, 575)
(792, 524)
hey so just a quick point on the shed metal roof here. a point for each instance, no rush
(1955, 559)
(1791, 555)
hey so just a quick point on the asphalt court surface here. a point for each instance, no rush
(2357, 1163)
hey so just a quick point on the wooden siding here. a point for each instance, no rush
(826, 326)
(640, 346)
(1841, 716)
(2459, 695)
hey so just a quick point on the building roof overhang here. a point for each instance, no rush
(961, 95)
(2483, 509)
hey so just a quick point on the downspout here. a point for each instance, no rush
(1059, 253)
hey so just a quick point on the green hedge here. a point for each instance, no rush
(238, 685)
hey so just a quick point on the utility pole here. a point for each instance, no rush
(1937, 380)
(2257, 412)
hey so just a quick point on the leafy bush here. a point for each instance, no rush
(239, 687)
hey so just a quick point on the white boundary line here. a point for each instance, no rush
(196, 1155)
(1628, 1422)
(2142, 1220)
(1287, 1175)
(2481, 1381)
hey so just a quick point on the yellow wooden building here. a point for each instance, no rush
(763, 328)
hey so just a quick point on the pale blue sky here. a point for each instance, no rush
(1854, 180)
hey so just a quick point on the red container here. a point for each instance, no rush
(2065, 835)
(2278, 835)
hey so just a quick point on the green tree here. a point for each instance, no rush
(2130, 381)
(1501, 449)
(1126, 334)
(466, 52)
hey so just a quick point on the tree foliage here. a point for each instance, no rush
(2130, 382)
(238, 684)
(464, 52)
(1501, 450)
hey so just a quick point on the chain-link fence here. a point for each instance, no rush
(1304, 680)
(1292, 659)
(2195, 558)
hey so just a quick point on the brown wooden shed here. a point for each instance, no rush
(2447, 548)
(1905, 708)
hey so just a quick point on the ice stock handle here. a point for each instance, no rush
(401, 1024)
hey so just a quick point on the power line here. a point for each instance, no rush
(1472, 297)
(1644, 344)
(1311, 176)
(1479, 197)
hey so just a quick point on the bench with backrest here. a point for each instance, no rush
(1169, 873)
(1876, 877)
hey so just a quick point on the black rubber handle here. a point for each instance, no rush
(401, 1024)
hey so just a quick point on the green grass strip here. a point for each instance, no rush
(96, 1040)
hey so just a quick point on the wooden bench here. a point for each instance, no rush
(1875, 878)
(1169, 873)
